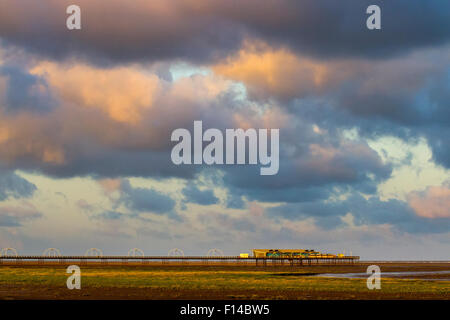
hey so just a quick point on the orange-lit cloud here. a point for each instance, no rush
(120, 109)
(434, 202)
(120, 92)
(110, 185)
(281, 73)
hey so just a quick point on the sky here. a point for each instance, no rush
(86, 118)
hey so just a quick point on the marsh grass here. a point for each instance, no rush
(208, 279)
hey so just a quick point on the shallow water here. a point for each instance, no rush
(398, 275)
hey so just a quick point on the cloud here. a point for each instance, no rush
(14, 186)
(432, 203)
(24, 91)
(130, 202)
(122, 93)
(397, 96)
(84, 205)
(370, 211)
(110, 185)
(311, 168)
(107, 145)
(102, 102)
(145, 199)
(220, 225)
(110, 215)
(278, 73)
(402, 96)
(394, 88)
(119, 130)
(161, 30)
(193, 194)
(205, 30)
(234, 201)
(15, 216)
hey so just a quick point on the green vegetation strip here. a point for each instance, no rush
(181, 278)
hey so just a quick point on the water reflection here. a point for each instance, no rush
(399, 275)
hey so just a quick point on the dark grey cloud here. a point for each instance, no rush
(25, 91)
(312, 166)
(145, 199)
(9, 221)
(15, 216)
(137, 202)
(338, 28)
(14, 186)
(412, 92)
(193, 194)
(234, 201)
(111, 33)
(440, 144)
(210, 30)
(371, 211)
(110, 215)
(406, 98)
(106, 162)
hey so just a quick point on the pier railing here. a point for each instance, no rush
(183, 259)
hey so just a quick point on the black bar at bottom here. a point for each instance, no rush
(231, 309)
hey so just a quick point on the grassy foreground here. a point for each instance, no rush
(203, 282)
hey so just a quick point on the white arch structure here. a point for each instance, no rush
(175, 252)
(135, 252)
(51, 252)
(93, 252)
(215, 253)
(8, 252)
